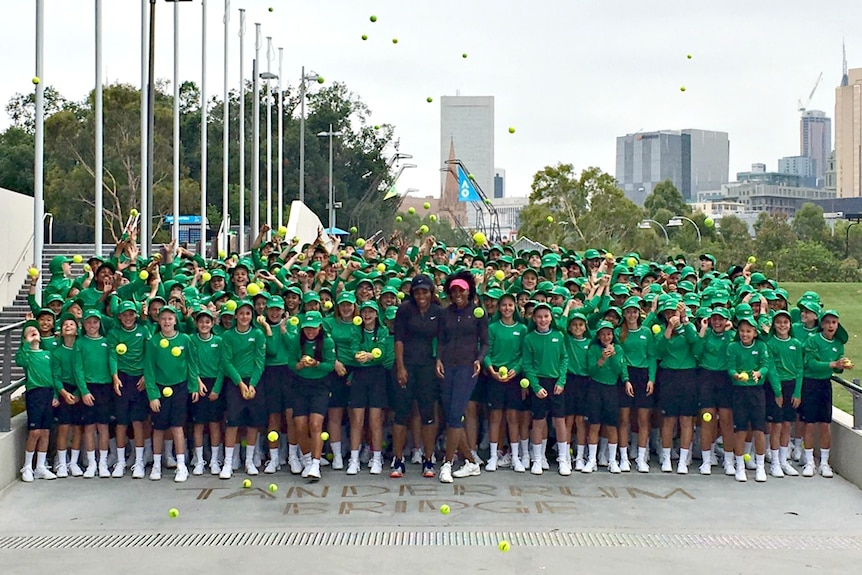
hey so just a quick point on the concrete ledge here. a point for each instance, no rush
(12, 450)
(846, 453)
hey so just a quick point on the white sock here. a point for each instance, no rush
(683, 456)
(824, 456)
(181, 459)
(665, 454)
(776, 458)
(579, 451)
(809, 456)
(612, 451)
(199, 453)
(76, 454)
(336, 448)
(562, 451)
(139, 454)
(228, 455)
(593, 449)
(61, 457)
(525, 447)
(354, 455)
(537, 452)
(121, 457)
(214, 449)
(493, 450)
(747, 448)
(544, 447)
(624, 452)
(759, 459)
(168, 449)
(516, 448)
(706, 456)
(642, 451)
(103, 457)
(377, 456)
(273, 454)
(315, 462)
(728, 456)
(40, 459)
(740, 462)
(91, 458)
(249, 454)
(28, 459)
(157, 459)
(783, 453)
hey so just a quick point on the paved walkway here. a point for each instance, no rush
(656, 523)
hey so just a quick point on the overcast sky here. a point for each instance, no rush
(569, 75)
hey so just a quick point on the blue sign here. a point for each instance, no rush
(466, 189)
(184, 220)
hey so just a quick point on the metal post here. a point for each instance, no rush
(98, 208)
(857, 407)
(5, 400)
(144, 223)
(302, 136)
(225, 208)
(147, 206)
(241, 131)
(202, 250)
(268, 132)
(331, 188)
(39, 153)
(175, 230)
(255, 135)
(280, 141)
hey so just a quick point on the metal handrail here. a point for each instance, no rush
(855, 390)
(6, 379)
(21, 257)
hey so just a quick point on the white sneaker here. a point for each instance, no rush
(589, 466)
(705, 468)
(170, 461)
(642, 465)
(666, 466)
(751, 465)
(625, 465)
(376, 466)
(478, 460)
(579, 464)
(525, 460)
(808, 470)
(826, 471)
(182, 474)
(226, 471)
(353, 466)
(775, 469)
(788, 469)
(337, 461)
(62, 471)
(469, 469)
(563, 466)
(271, 466)
(119, 470)
(104, 472)
(682, 467)
(27, 474)
(446, 472)
(603, 458)
(215, 467)
(491, 465)
(797, 453)
(741, 475)
(536, 468)
(418, 457)
(43, 473)
(504, 460)
(314, 470)
(138, 470)
(75, 470)
(518, 465)
(760, 473)
(365, 455)
(295, 465)
(90, 472)
(250, 469)
(199, 468)
(613, 466)
(729, 468)
(156, 472)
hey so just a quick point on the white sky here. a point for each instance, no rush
(569, 75)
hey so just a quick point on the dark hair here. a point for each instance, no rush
(462, 275)
(318, 343)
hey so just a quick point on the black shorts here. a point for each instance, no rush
(603, 407)
(204, 410)
(714, 389)
(172, 410)
(40, 412)
(816, 406)
(576, 394)
(103, 404)
(339, 391)
(499, 395)
(422, 386)
(243, 412)
(70, 414)
(678, 392)
(749, 408)
(312, 396)
(368, 388)
(276, 383)
(480, 390)
(131, 405)
(785, 413)
(639, 377)
(553, 404)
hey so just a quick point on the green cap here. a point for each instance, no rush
(95, 313)
(275, 301)
(125, 306)
(311, 319)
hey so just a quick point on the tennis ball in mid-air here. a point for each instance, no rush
(36, 79)
(357, 320)
(499, 275)
(376, 353)
(373, 18)
(479, 239)
(709, 222)
(511, 129)
(770, 264)
(429, 99)
(353, 229)
(173, 512)
(206, 276)
(77, 258)
(707, 417)
(682, 88)
(320, 80)
(503, 546)
(168, 391)
(365, 37)
(432, 217)
(230, 305)
(688, 56)
(253, 289)
(272, 435)
(122, 349)
(427, 205)
(478, 312)
(411, 210)
(746, 457)
(164, 343)
(752, 260)
(360, 243)
(144, 275)
(222, 254)
(324, 436)
(246, 483)
(423, 229)
(464, 55)
(656, 329)
(282, 231)
(444, 509)
(503, 371)
(525, 383)
(327, 304)
(395, 40)
(550, 219)
(399, 219)
(133, 212)
(381, 268)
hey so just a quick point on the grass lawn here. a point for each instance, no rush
(846, 298)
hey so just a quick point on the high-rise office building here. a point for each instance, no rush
(467, 123)
(848, 134)
(499, 183)
(802, 166)
(694, 160)
(815, 140)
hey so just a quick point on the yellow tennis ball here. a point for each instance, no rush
(282, 231)
(631, 262)
(301, 256)
(682, 88)
(550, 219)
(324, 436)
(656, 329)
(77, 258)
(479, 239)
(173, 512)
(400, 295)
(395, 40)
(176, 351)
(752, 259)
(707, 417)
(230, 305)
(525, 383)
(272, 435)
(770, 264)
(444, 509)
(164, 343)
(273, 487)
(365, 36)
(500, 275)
(429, 99)
(122, 349)
(503, 371)
(252, 289)
(423, 229)
(133, 212)
(511, 130)
(427, 205)
(168, 391)
(144, 275)
(360, 243)
(478, 312)
(222, 254)
(206, 276)
(411, 210)
(293, 321)
(373, 18)
(746, 457)
(357, 320)
(246, 483)
(709, 222)
(36, 79)
(504, 546)
(376, 353)
(381, 268)
(33, 272)
(87, 268)
(327, 304)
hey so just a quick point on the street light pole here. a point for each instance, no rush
(330, 134)
(302, 136)
(280, 141)
(645, 225)
(691, 221)
(175, 230)
(255, 135)
(241, 131)
(39, 151)
(225, 207)
(143, 224)
(269, 57)
(99, 108)
(202, 250)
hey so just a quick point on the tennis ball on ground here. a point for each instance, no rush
(246, 483)
(360, 243)
(411, 210)
(373, 18)
(427, 205)
(656, 329)
(253, 289)
(444, 509)
(324, 436)
(173, 512)
(707, 417)
(122, 349)
(206, 276)
(511, 130)
(273, 487)
(752, 259)
(272, 435)
(504, 546)
(36, 79)
(631, 262)
(293, 321)
(77, 258)
(525, 383)
(164, 343)
(503, 371)
(423, 229)
(746, 457)
(32, 272)
(357, 320)
(550, 219)
(327, 304)
(709, 222)
(376, 353)
(168, 391)
(478, 312)
(479, 239)
(770, 264)
(499, 275)
(230, 305)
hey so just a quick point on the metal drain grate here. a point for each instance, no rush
(430, 538)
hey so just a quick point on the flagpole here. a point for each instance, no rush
(202, 250)
(225, 208)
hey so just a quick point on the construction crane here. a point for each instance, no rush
(810, 96)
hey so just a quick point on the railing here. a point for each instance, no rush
(21, 257)
(7, 386)
(855, 390)
(50, 217)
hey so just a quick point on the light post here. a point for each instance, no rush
(280, 141)
(853, 219)
(676, 222)
(255, 135)
(312, 76)
(241, 233)
(267, 76)
(331, 205)
(645, 225)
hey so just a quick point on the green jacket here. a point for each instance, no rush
(544, 355)
(37, 367)
(576, 350)
(135, 340)
(63, 366)
(639, 349)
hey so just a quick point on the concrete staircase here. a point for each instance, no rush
(15, 312)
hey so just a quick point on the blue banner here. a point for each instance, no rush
(466, 190)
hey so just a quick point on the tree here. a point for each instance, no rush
(735, 245)
(16, 160)
(809, 224)
(442, 229)
(666, 197)
(774, 235)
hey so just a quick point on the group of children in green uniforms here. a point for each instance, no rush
(276, 347)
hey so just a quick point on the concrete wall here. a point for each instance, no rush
(16, 228)
(12, 450)
(846, 453)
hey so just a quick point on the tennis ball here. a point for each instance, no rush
(770, 264)
(296, 239)
(222, 254)
(360, 243)
(253, 289)
(399, 219)
(301, 256)
(353, 229)
(707, 417)
(144, 275)
(121, 349)
(206, 276)
(525, 383)
(464, 55)
(376, 353)
(167, 391)
(423, 229)
(631, 262)
(688, 56)
(743, 376)
(230, 305)
(246, 483)
(746, 457)
(411, 210)
(499, 275)
(478, 313)
(376, 126)
(432, 217)
(656, 329)
(293, 321)
(503, 371)
(381, 268)
(479, 239)
(164, 343)
(32, 272)
(327, 304)
(373, 18)
(511, 130)
(400, 295)
(77, 258)
(282, 231)
(324, 436)
(503, 546)
(133, 212)
(395, 40)
(550, 219)
(357, 320)
(272, 435)
(429, 99)
(173, 512)
(427, 205)
(320, 80)
(273, 487)
(444, 509)
(87, 268)
(36, 79)
(609, 256)
(709, 222)
(682, 88)
(752, 259)
(471, 176)
(364, 37)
